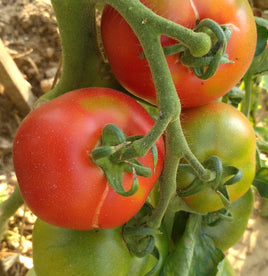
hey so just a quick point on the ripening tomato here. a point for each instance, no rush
(124, 51)
(218, 129)
(58, 179)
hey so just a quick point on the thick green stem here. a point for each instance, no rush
(9, 207)
(167, 180)
(146, 25)
(149, 27)
(247, 101)
(176, 148)
(139, 17)
(83, 65)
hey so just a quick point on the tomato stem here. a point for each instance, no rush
(83, 65)
(149, 27)
(176, 148)
(246, 105)
(140, 17)
(9, 207)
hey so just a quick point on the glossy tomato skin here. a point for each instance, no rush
(123, 48)
(218, 129)
(58, 251)
(57, 178)
(226, 234)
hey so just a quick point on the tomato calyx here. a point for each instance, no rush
(205, 67)
(107, 156)
(141, 239)
(223, 176)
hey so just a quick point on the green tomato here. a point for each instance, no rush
(66, 252)
(218, 129)
(226, 233)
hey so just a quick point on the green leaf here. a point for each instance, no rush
(261, 182)
(259, 65)
(195, 253)
(262, 35)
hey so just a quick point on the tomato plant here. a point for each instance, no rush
(88, 159)
(58, 179)
(124, 51)
(218, 129)
(98, 252)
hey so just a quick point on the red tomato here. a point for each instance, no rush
(123, 48)
(57, 178)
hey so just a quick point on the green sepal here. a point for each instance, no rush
(112, 135)
(203, 62)
(138, 237)
(227, 31)
(213, 164)
(114, 174)
(206, 66)
(223, 176)
(211, 69)
(236, 174)
(153, 148)
(138, 167)
(157, 266)
(101, 152)
(142, 240)
(195, 187)
(224, 199)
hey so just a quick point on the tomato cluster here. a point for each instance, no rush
(74, 172)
